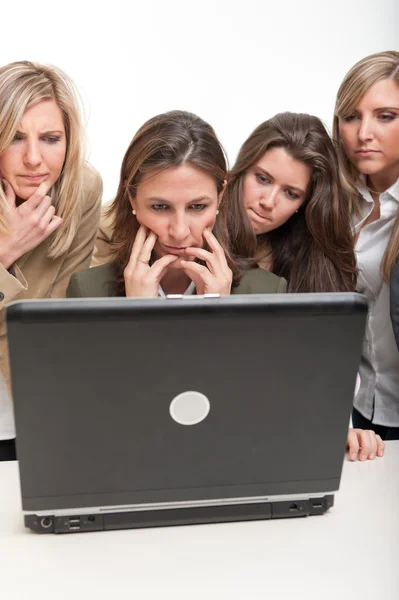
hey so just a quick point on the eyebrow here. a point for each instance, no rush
(56, 131)
(378, 109)
(292, 187)
(164, 201)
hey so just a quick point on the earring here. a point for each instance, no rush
(297, 210)
(217, 212)
(134, 212)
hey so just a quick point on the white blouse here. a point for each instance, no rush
(379, 366)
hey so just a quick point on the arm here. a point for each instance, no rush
(394, 291)
(281, 286)
(79, 254)
(74, 289)
(11, 286)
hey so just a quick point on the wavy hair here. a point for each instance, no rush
(22, 85)
(168, 140)
(313, 250)
(364, 74)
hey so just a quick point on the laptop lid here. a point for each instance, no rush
(95, 384)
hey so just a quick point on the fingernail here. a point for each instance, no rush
(353, 456)
(363, 457)
(372, 456)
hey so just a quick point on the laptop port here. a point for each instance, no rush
(294, 507)
(74, 523)
(46, 522)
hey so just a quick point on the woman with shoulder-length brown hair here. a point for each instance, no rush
(292, 209)
(366, 130)
(50, 198)
(169, 233)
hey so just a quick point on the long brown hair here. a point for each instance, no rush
(313, 250)
(169, 139)
(359, 79)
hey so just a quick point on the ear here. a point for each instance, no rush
(130, 196)
(222, 192)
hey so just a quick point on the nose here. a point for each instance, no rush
(179, 228)
(365, 132)
(268, 198)
(32, 157)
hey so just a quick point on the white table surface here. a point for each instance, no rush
(350, 553)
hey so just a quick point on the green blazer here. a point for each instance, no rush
(98, 282)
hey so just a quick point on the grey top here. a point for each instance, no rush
(98, 282)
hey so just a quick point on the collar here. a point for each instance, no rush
(189, 291)
(393, 191)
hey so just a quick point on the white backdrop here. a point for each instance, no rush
(233, 62)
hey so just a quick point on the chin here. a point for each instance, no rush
(26, 192)
(177, 263)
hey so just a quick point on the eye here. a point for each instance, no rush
(159, 207)
(51, 139)
(198, 207)
(260, 178)
(350, 118)
(17, 137)
(387, 117)
(292, 195)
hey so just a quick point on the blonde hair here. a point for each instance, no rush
(22, 85)
(364, 74)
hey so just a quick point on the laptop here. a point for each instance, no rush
(148, 412)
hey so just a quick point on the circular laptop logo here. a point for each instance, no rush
(189, 408)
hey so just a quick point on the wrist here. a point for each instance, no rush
(6, 260)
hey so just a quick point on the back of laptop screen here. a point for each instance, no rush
(96, 415)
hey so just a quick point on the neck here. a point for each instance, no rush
(175, 281)
(380, 182)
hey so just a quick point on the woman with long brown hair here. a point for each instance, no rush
(169, 217)
(366, 130)
(292, 209)
(289, 209)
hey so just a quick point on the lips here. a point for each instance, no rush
(34, 178)
(175, 250)
(259, 217)
(367, 152)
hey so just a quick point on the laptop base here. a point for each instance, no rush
(181, 516)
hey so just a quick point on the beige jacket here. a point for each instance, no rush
(37, 276)
(102, 254)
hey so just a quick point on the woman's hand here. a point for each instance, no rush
(364, 444)
(28, 224)
(216, 277)
(141, 279)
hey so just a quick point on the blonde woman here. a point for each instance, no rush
(49, 197)
(366, 129)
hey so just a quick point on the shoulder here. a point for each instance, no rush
(92, 187)
(259, 281)
(106, 221)
(92, 283)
